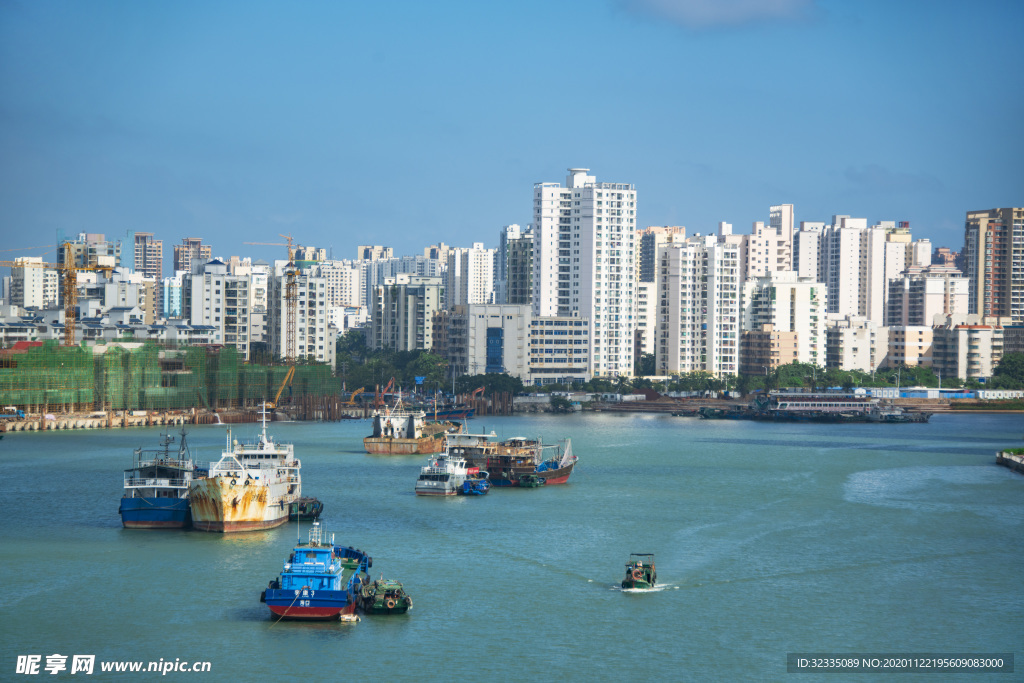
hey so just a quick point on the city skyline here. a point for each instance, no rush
(431, 124)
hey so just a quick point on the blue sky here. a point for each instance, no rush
(409, 123)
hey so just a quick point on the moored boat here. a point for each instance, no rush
(640, 571)
(251, 487)
(443, 475)
(156, 488)
(384, 596)
(318, 581)
(508, 461)
(398, 431)
(305, 509)
(476, 483)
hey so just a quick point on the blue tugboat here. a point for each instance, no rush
(156, 488)
(320, 580)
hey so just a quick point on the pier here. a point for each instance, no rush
(1015, 461)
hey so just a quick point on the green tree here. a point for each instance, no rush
(1009, 373)
(560, 404)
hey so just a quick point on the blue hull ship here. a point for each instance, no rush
(156, 488)
(319, 581)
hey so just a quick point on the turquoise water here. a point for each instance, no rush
(769, 539)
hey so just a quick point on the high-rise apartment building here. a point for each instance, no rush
(470, 276)
(402, 312)
(149, 262)
(649, 239)
(374, 253)
(917, 296)
(994, 263)
(33, 286)
(584, 263)
(698, 324)
(519, 273)
(311, 339)
(807, 250)
(788, 303)
(190, 248)
(91, 250)
(509, 234)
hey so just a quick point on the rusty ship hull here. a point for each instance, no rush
(225, 504)
(382, 445)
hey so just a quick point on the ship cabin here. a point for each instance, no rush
(312, 567)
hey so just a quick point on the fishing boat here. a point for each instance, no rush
(640, 571)
(251, 487)
(156, 487)
(443, 475)
(476, 483)
(319, 580)
(400, 431)
(384, 596)
(507, 461)
(531, 481)
(305, 509)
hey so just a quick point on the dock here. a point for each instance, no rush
(1015, 461)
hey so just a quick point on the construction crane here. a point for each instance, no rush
(291, 298)
(379, 398)
(352, 399)
(70, 286)
(476, 393)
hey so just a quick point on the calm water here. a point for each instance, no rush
(769, 539)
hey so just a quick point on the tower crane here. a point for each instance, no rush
(69, 285)
(291, 297)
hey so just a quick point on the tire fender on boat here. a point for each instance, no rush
(637, 574)
(234, 481)
(389, 603)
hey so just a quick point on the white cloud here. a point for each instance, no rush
(710, 13)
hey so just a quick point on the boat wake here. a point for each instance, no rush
(656, 589)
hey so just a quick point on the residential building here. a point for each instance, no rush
(648, 240)
(646, 317)
(519, 271)
(916, 297)
(698, 322)
(374, 253)
(32, 285)
(509, 234)
(765, 349)
(855, 343)
(470, 276)
(584, 261)
(311, 338)
(173, 291)
(221, 300)
(344, 282)
(149, 262)
(968, 346)
(92, 250)
(909, 345)
(994, 263)
(190, 249)
(807, 250)
(402, 312)
(786, 303)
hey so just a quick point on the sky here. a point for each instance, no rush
(411, 123)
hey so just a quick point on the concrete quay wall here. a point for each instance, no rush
(1011, 460)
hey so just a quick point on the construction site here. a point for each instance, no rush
(44, 385)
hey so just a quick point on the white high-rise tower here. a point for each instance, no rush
(584, 263)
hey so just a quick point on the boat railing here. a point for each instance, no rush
(308, 568)
(167, 462)
(140, 482)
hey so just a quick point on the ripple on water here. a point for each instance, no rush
(929, 489)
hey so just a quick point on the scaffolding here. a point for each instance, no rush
(130, 376)
(45, 377)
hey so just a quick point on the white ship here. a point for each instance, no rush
(442, 476)
(249, 488)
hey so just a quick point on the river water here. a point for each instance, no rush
(769, 539)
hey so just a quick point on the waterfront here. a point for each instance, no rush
(769, 538)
